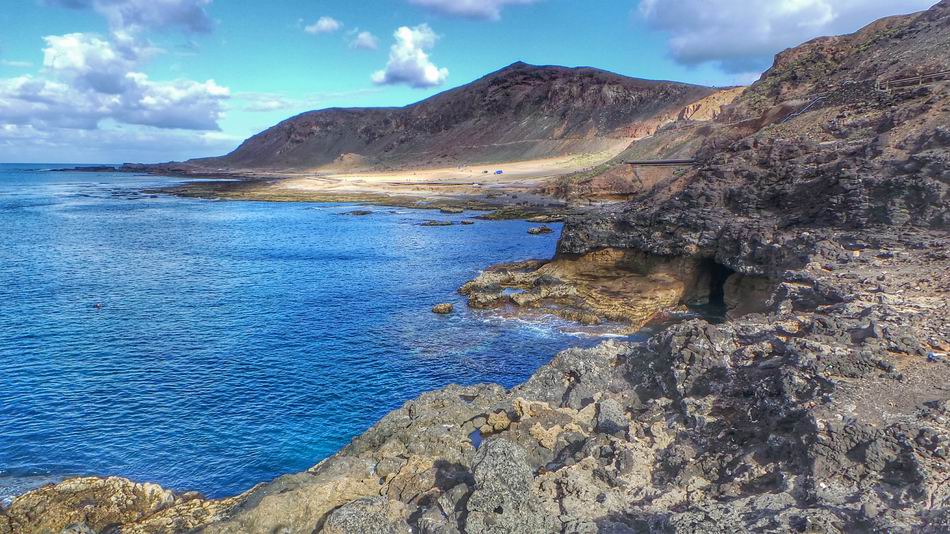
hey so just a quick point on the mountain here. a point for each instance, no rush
(520, 112)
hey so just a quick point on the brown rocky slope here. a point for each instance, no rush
(821, 406)
(521, 112)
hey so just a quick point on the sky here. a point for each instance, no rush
(111, 81)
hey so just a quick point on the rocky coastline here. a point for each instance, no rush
(821, 405)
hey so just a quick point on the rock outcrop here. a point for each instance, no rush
(822, 405)
(623, 288)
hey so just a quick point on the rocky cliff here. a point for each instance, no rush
(822, 405)
(518, 113)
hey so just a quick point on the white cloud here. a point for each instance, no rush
(324, 25)
(740, 37)
(183, 104)
(87, 80)
(113, 144)
(90, 61)
(409, 61)
(132, 16)
(475, 9)
(365, 41)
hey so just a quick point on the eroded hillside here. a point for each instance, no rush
(521, 112)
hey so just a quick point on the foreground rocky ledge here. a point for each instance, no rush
(825, 415)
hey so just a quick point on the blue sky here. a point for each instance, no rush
(156, 80)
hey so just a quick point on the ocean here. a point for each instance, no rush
(209, 345)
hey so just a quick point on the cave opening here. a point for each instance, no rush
(707, 296)
(717, 274)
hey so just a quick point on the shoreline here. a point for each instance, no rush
(513, 190)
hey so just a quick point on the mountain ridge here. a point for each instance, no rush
(519, 112)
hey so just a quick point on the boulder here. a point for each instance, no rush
(369, 515)
(505, 500)
(443, 309)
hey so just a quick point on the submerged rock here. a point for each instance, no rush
(436, 223)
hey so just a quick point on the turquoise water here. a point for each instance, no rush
(236, 341)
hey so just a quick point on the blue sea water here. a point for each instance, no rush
(236, 341)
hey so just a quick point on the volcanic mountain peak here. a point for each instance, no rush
(520, 112)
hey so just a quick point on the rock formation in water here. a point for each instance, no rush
(822, 405)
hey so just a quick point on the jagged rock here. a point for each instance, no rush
(610, 418)
(504, 499)
(87, 504)
(371, 515)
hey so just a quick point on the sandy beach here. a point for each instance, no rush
(515, 189)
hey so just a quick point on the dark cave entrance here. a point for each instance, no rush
(716, 274)
(709, 291)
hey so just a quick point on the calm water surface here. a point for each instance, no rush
(236, 341)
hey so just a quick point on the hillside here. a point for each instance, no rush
(521, 112)
(827, 92)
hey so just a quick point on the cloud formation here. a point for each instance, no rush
(409, 61)
(132, 16)
(87, 80)
(365, 41)
(323, 25)
(473, 9)
(107, 145)
(740, 38)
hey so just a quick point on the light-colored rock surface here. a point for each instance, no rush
(607, 285)
(443, 309)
